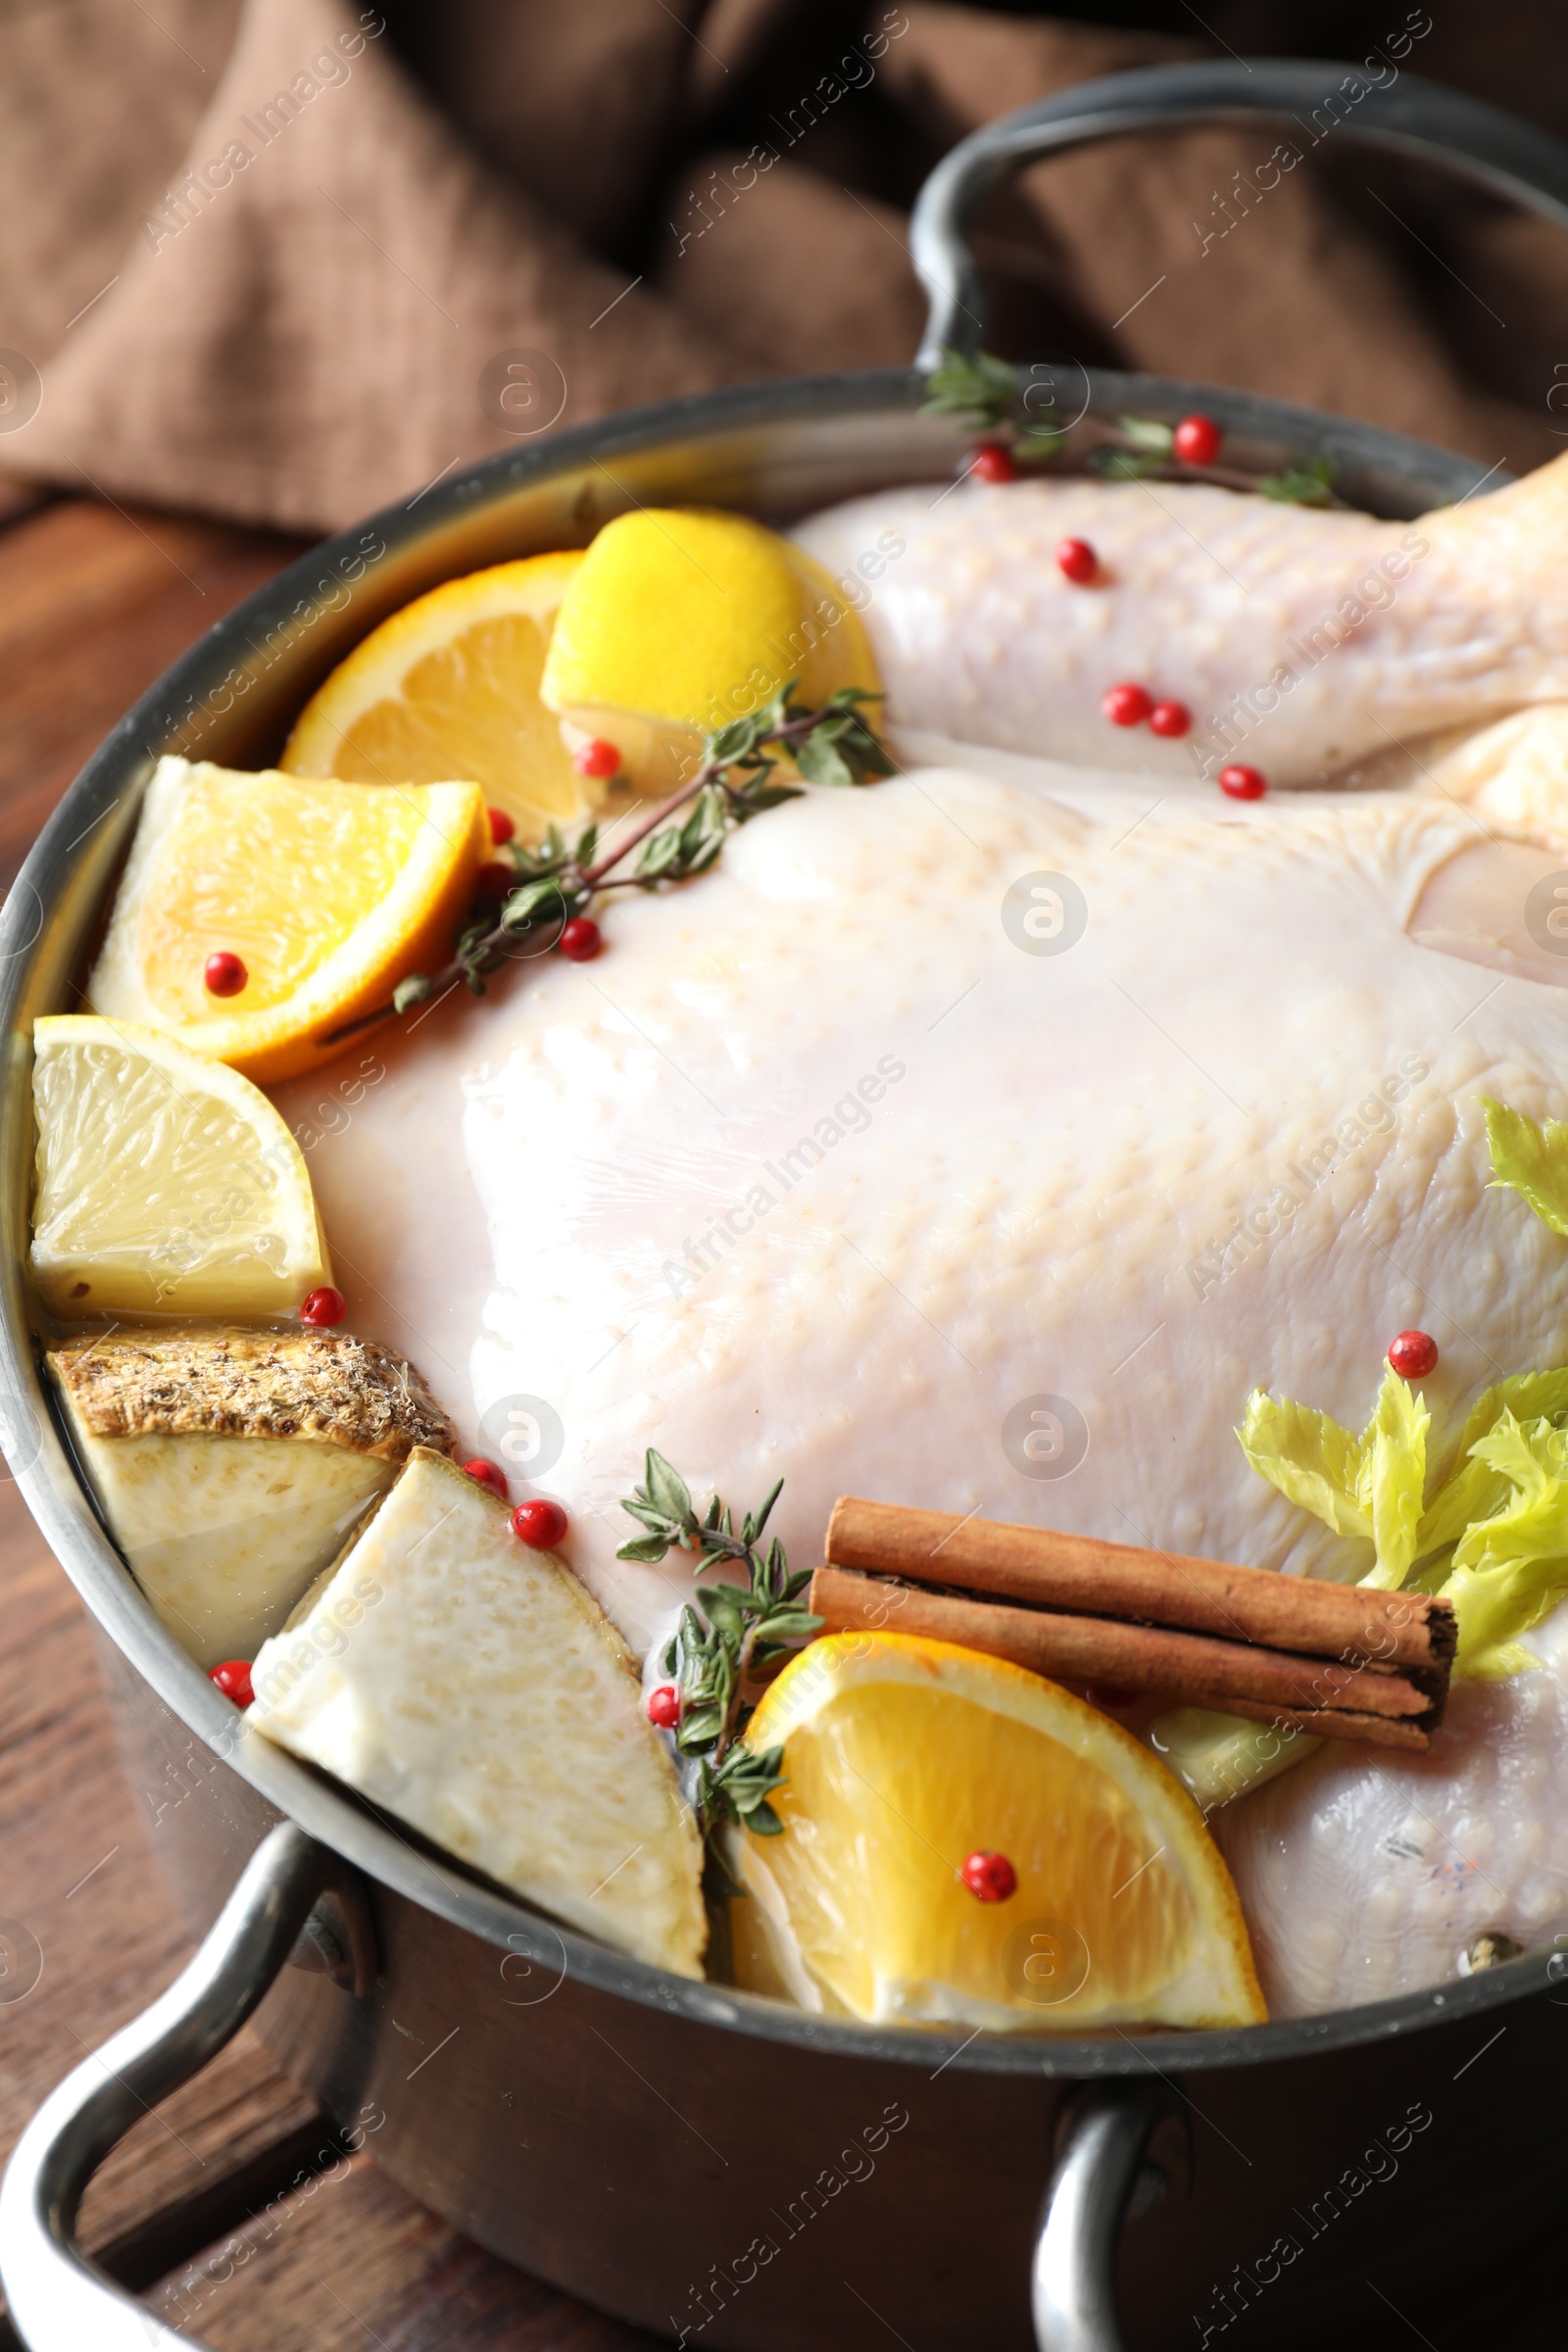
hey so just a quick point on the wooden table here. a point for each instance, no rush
(94, 603)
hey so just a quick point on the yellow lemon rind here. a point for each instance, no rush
(307, 1261)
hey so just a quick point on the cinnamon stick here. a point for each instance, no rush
(1047, 1569)
(1267, 1686)
(1336, 1659)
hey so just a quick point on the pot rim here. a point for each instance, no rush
(372, 1841)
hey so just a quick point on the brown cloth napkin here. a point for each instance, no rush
(288, 261)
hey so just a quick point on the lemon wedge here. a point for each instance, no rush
(328, 893)
(450, 686)
(906, 1757)
(679, 621)
(166, 1181)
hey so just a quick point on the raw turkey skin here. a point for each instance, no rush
(1364, 1875)
(970, 1141)
(1300, 641)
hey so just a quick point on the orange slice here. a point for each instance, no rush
(905, 1757)
(450, 686)
(328, 893)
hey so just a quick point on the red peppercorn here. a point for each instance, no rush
(993, 462)
(664, 1706)
(1412, 1354)
(502, 827)
(1169, 719)
(234, 1679)
(581, 940)
(1078, 559)
(495, 879)
(487, 1473)
(1126, 706)
(323, 1306)
(990, 1878)
(539, 1524)
(224, 975)
(1243, 783)
(1196, 440)
(597, 758)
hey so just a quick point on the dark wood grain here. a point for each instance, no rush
(93, 604)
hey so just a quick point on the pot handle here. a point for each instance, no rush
(59, 2301)
(1100, 2174)
(1413, 116)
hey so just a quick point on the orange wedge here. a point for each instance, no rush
(450, 686)
(905, 1758)
(328, 893)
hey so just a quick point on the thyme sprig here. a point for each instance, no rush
(739, 1631)
(998, 400)
(557, 880)
(991, 393)
(1309, 485)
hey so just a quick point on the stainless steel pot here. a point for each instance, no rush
(700, 2161)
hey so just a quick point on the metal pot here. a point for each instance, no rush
(691, 2158)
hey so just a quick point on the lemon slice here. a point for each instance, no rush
(905, 1757)
(680, 621)
(165, 1182)
(450, 686)
(328, 893)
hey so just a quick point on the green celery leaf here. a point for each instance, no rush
(1473, 1488)
(1368, 1486)
(1530, 1160)
(1395, 1477)
(1510, 1569)
(1309, 1458)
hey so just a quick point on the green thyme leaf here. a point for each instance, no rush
(820, 762)
(667, 1490)
(1040, 443)
(533, 903)
(1309, 485)
(1125, 465)
(1148, 433)
(742, 735)
(983, 387)
(755, 797)
(789, 1625)
(842, 751)
(723, 1634)
(410, 992)
(754, 1523)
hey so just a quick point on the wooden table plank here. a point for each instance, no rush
(351, 2262)
(93, 604)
